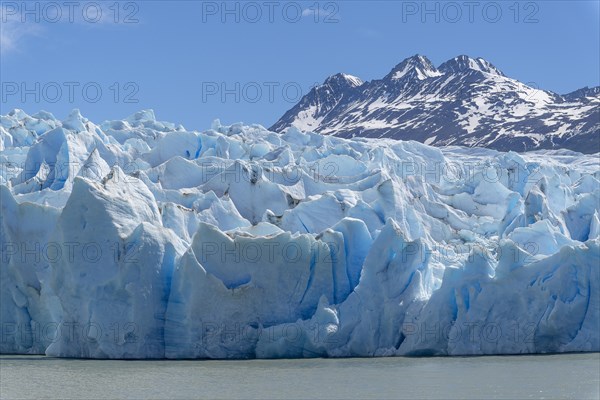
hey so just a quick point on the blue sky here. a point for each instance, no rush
(193, 62)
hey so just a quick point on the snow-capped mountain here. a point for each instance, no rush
(465, 101)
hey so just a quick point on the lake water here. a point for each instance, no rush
(510, 377)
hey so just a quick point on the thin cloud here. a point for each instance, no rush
(15, 28)
(321, 14)
(12, 35)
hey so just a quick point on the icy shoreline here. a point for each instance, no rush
(140, 239)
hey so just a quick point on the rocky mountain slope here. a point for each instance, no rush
(464, 101)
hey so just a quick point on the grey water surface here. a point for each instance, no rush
(572, 376)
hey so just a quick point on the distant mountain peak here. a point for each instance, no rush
(417, 67)
(465, 63)
(583, 92)
(343, 80)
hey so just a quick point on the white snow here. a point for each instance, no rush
(354, 80)
(141, 239)
(306, 120)
(430, 140)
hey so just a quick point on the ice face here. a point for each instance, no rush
(140, 239)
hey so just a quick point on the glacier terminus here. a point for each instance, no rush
(136, 238)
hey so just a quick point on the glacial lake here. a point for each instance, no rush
(497, 377)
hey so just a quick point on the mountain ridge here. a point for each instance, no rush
(464, 101)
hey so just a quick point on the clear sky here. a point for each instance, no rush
(250, 61)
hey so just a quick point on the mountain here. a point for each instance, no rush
(465, 101)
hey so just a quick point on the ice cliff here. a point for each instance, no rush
(140, 239)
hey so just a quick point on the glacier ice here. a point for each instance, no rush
(140, 239)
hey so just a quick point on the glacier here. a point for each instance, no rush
(138, 238)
